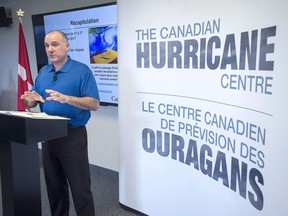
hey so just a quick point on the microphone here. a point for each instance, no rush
(54, 77)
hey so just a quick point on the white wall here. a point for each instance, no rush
(103, 125)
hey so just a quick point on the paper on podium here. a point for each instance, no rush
(33, 115)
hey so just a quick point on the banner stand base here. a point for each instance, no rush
(132, 210)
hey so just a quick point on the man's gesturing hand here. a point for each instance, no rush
(32, 96)
(56, 96)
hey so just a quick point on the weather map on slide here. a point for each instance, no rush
(103, 45)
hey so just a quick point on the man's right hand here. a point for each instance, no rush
(32, 96)
(31, 99)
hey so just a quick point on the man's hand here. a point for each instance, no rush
(85, 103)
(31, 98)
(56, 96)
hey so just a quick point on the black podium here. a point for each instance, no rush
(19, 160)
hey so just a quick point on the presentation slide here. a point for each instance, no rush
(92, 35)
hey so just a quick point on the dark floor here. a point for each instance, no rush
(105, 190)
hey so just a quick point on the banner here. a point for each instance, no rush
(202, 107)
(25, 81)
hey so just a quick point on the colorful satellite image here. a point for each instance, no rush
(103, 45)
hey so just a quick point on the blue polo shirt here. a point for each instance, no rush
(74, 79)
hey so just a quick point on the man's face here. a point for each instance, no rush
(56, 48)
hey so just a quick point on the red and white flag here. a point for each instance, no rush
(25, 81)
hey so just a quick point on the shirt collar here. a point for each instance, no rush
(65, 68)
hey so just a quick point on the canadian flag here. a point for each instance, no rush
(25, 81)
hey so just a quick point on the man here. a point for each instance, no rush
(66, 88)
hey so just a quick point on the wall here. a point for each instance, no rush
(103, 125)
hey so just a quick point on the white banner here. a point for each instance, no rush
(202, 108)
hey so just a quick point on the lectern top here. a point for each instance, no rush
(33, 115)
(31, 129)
